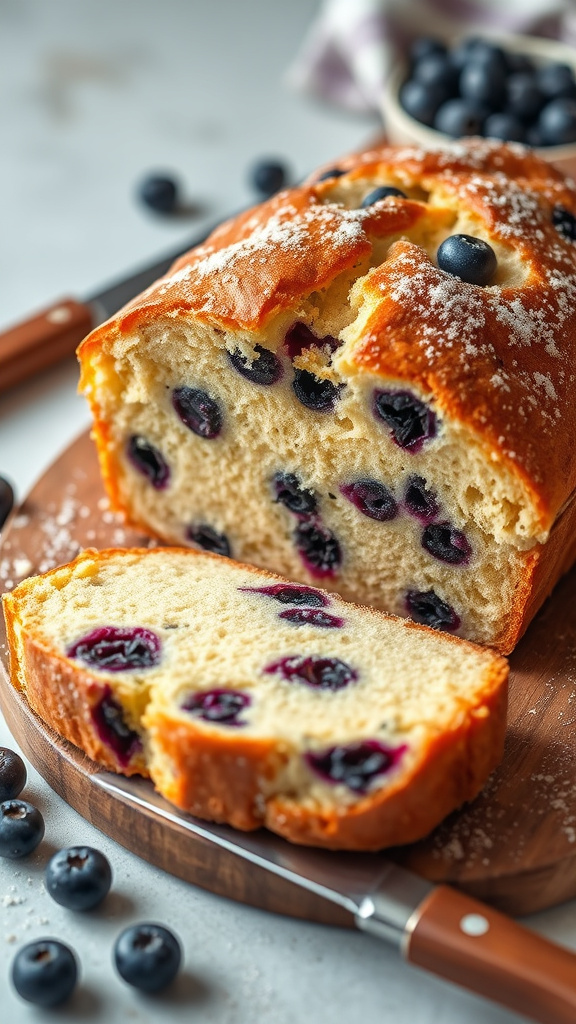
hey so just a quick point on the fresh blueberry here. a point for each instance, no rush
(422, 101)
(12, 774)
(519, 63)
(355, 765)
(461, 117)
(300, 338)
(504, 126)
(534, 136)
(436, 69)
(117, 648)
(419, 501)
(149, 461)
(469, 258)
(109, 722)
(484, 82)
(78, 878)
(314, 392)
(382, 192)
(372, 499)
(488, 55)
(427, 608)
(21, 829)
(44, 972)
(159, 193)
(462, 53)
(268, 177)
(147, 956)
(288, 491)
(556, 81)
(265, 369)
(292, 593)
(315, 671)
(332, 172)
(6, 500)
(446, 543)
(557, 122)
(198, 411)
(311, 617)
(424, 46)
(524, 97)
(411, 421)
(564, 222)
(209, 539)
(220, 706)
(318, 548)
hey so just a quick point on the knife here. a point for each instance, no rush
(48, 336)
(433, 926)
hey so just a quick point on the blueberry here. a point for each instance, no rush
(198, 411)
(488, 55)
(220, 706)
(109, 722)
(300, 337)
(265, 369)
(524, 98)
(419, 501)
(209, 539)
(289, 492)
(315, 671)
(292, 593)
(372, 499)
(311, 617)
(149, 461)
(21, 829)
(424, 46)
(12, 774)
(436, 69)
(484, 82)
(519, 63)
(117, 648)
(557, 122)
(268, 177)
(504, 126)
(159, 193)
(461, 117)
(427, 608)
(78, 878)
(462, 53)
(147, 956)
(422, 101)
(382, 192)
(44, 972)
(556, 81)
(355, 765)
(411, 421)
(446, 543)
(332, 172)
(313, 392)
(469, 258)
(318, 547)
(6, 500)
(534, 136)
(564, 222)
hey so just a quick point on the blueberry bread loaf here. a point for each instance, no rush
(367, 383)
(256, 701)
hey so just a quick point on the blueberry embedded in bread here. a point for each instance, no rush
(253, 700)
(422, 343)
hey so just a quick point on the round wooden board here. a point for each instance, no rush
(514, 846)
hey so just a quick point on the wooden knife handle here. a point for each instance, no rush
(473, 945)
(42, 340)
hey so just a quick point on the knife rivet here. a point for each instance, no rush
(59, 315)
(474, 924)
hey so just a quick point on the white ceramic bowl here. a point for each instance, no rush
(401, 128)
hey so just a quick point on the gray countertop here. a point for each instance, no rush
(94, 95)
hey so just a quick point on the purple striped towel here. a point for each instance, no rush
(351, 46)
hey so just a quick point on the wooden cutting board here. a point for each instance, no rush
(514, 846)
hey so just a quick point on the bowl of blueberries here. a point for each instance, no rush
(511, 88)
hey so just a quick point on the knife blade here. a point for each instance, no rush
(434, 927)
(53, 333)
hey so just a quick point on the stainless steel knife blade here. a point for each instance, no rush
(434, 927)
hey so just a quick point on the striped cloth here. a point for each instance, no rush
(351, 46)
